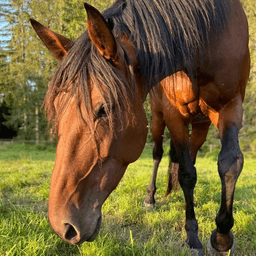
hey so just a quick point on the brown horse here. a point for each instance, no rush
(95, 99)
(173, 168)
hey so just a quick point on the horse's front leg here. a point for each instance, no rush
(230, 164)
(187, 175)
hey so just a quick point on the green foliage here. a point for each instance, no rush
(26, 64)
(127, 228)
(3, 69)
(247, 134)
(250, 10)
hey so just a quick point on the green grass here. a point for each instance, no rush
(19, 151)
(128, 228)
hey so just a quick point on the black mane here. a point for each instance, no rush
(169, 35)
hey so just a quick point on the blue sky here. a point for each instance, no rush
(3, 23)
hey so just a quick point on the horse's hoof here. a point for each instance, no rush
(194, 252)
(212, 252)
(197, 252)
(167, 193)
(148, 205)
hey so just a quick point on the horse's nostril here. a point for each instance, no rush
(70, 233)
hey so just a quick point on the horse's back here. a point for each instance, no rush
(224, 70)
(227, 63)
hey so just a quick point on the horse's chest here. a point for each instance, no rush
(182, 93)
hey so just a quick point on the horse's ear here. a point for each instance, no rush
(57, 44)
(100, 34)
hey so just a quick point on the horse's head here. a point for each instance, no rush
(100, 121)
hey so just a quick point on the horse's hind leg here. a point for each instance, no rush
(173, 169)
(158, 126)
(197, 139)
(230, 164)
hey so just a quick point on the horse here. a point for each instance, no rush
(95, 104)
(160, 102)
(173, 168)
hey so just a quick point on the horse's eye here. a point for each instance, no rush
(137, 69)
(101, 112)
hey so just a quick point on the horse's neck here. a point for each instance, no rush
(140, 81)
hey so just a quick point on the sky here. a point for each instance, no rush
(3, 24)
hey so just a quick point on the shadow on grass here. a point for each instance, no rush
(27, 225)
(62, 248)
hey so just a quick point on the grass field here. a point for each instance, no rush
(128, 228)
